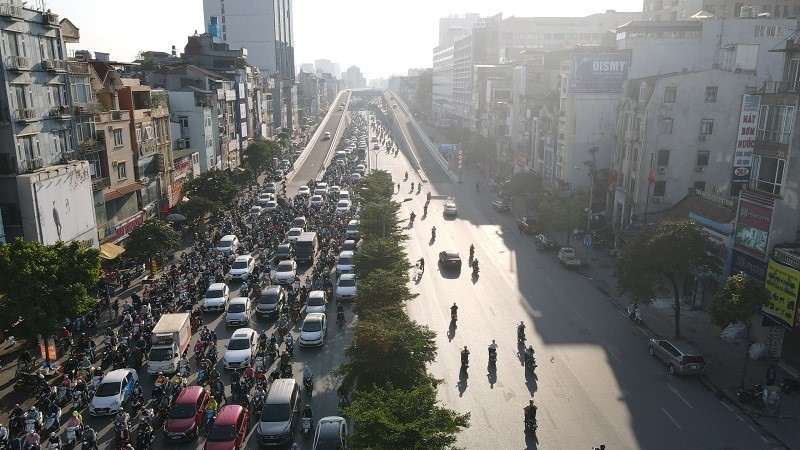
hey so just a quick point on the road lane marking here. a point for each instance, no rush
(577, 314)
(726, 405)
(740, 417)
(614, 355)
(752, 429)
(675, 391)
(766, 441)
(670, 418)
(548, 281)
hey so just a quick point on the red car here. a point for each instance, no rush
(186, 415)
(229, 428)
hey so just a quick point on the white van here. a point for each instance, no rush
(228, 244)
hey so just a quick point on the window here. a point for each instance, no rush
(768, 174)
(81, 89)
(118, 138)
(659, 189)
(670, 92)
(28, 148)
(663, 158)
(711, 94)
(84, 128)
(666, 125)
(138, 133)
(183, 122)
(775, 123)
(121, 170)
(148, 132)
(792, 76)
(702, 159)
(700, 185)
(707, 126)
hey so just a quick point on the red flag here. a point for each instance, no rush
(612, 178)
(651, 177)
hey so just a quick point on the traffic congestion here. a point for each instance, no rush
(276, 268)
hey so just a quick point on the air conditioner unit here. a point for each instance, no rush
(699, 168)
(48, 64)
(657, 199)
(662, 169)
(181, 144)
(114, 163)
(703, 137)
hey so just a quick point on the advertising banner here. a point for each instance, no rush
(121, 230)
(447, 149)
(598, 73)
(783, 286)
(754, 267)
(745, 141)
(752, 225)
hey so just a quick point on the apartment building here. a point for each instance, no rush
(674, 10)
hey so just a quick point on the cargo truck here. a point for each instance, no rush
(170, 341)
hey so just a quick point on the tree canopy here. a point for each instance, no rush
(376, 187)
(196, 208)
(523, 183)
(215, 185)
(737, 301)
(152, 238)
(259, 152)
(391, 418)
(45, 284)
(379, 220)
(673, 251)
(562, 213)
(380, 253)
(380, 289)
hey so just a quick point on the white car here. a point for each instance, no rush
(344, 264)
(238, 312)
(352, 229)
(264, 198)
(228, 244)
(316, 200)
(216, 297)
(450, 209)
(316, 302)
(343, 207)
(242, 267)
(313, 330)
(293, 234)
(240, 349)
(285, 272)
(304, 191)
(271, 206)
(346, 287)
(114, 389)
(360, 169)
(256, 211)
(355, 176)
(321, 189)
(269, 187)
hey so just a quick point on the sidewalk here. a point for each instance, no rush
(725, 361)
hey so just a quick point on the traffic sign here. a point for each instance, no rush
(587, 241)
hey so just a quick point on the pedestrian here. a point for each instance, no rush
(115, 307)
(771, 375)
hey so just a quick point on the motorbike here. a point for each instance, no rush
(530, 362)
(306, 425)
(32, 424)
(62, 397)
(453, 315)
(78, 398)
(89, 440)
(144, 438)
(433, 234)
(464, 360)
(52, 422)
(201, 376)
(750, 395)
(340, 317)
(530, 425)
(296, 312)
(492, 357)
(290, 345)
(308, 383)
(520, 335)
(475, 270)
(17, 424)
(634, 315)
(72, 437)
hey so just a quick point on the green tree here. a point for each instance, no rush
(385, 352)
(284, 137)
(562, 213)
(481, 150)
(381, 288)
(379, 220)
(381, 254)
(390, 418)
(152, 238)
(524, 183)
(376, 187)
(673, 251)
(147, 60)
(45, 284)
(197, 208)
(216, 186)
(737, 302)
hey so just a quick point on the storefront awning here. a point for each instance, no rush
(124, 190)
(111, 251)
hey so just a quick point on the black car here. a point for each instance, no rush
(450, 258)
(285, 251)
(501, 206)
(528, 225)
(271, 301)
(544, 243)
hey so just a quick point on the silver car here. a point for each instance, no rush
(680, 357)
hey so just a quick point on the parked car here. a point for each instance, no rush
(567, 258)
(680, 357)
(501, 206)
(186, 415)
(450, 209)
(229, 429)
(528, 225)
(112, 393)
(544, 243)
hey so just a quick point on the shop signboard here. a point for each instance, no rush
(755, 268)
(753, 222)
(783, 286)
(745, 142)
(598, 73)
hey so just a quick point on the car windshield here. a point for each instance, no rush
(352, 227)
(160, 354)
(271, 204)
(225, 244)
(345, 260)
(255, 210)
(312, 325)
(239, 265)
(315, 301)
(239, 344)
(276, 413)
(236, 308)
(182, 411)
(294, 232)
(285, 266)
(268, 299)
(343, 204)
(347, 282)
(108, 389)
(283, 248)
(214, 293)
(222, 433)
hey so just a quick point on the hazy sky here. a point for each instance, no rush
(381, 37)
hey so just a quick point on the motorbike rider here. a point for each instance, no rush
(307, 413)
(425, 210)
(412, 185)
(52, 410)
(529, 354)
(54, 441)
(475, 265)
(36, 416)
(421, 264)
(530, 412)
(521, 329)
(75, 420)
(465, 356)
(340, 312)
(32, 440)
(122, 435)
(17, 414)
(90, 437)
(433, 233)
(412, 217)
(492, 349)
(161, 379)
(454, 310)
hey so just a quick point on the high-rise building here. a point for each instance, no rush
(666, 10)
(327, 66)
(354, 78)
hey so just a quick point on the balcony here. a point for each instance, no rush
(86, 109)
(54, 65)
(18, 63)
(119, 115)
(98, 184)
(91, 146)
(11, 12)
(62, 112)
(25, 115)
(78, 68)
(50, 20)
(159, 111)
(32, 164)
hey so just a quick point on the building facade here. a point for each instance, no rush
(672, 10)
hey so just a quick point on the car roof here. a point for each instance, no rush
(346, 253)
(316, 294)
(228, 415)
(238, 300)
(280, 391)
(684, 347)
(348, 276)
(288, 261)
(243, 257)
(243, 333)
(228, 237)
(295, 229)
(273, 290)
(353, 222)
(450, 253)
(115, 376)
(217, 286)
(314, 317)
(189, 394)
(329, 427)
(449, 204)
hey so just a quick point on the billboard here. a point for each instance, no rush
(753, 267)
(57, 205)
(752, 225)
(598, 73)
(745, 141)
(447, 149)
(783, 286)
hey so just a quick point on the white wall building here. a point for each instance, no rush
(195, 121)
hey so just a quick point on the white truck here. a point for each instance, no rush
(170, 341)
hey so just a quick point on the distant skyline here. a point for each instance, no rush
(382, 38)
